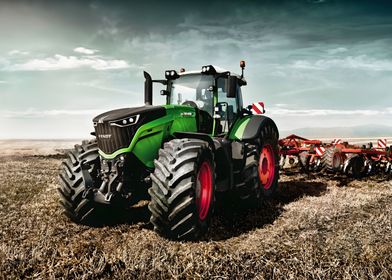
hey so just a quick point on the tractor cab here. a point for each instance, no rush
(214, 93)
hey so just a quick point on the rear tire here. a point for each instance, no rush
(268, 159)
(183, 189)
(72, 189)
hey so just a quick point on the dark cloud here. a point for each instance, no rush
(305, 53)
(304, 21)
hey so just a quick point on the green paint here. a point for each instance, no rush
(149, 137)
(146, 149)
(238, 129)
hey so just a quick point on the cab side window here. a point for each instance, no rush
(228, 106)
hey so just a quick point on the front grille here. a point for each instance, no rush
(112, 138)
(120, 137)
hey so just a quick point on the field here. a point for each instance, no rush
(316, 228)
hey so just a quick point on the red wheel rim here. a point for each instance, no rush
(267, 166)
(204, 189)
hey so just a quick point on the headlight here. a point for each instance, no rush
(171, 74)
(125, 121)
(208, 69)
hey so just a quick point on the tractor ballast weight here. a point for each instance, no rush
(178, 155)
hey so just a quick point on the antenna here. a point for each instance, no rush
(242, 65)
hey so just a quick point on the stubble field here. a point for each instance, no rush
(315, 228)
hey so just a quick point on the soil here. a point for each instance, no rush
(317, 227)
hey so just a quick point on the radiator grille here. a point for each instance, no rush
(112, 138)
(120, 137)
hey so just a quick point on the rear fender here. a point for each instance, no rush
(249, 127)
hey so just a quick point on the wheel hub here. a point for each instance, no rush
(266, 168)
(204, 190)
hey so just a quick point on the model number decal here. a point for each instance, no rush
(186, 114)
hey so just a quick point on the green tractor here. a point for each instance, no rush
(203, 143)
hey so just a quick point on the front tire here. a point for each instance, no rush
(73, 192)
(183, 189)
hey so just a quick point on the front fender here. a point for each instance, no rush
(196, 135)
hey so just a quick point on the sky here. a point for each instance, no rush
(314, 63)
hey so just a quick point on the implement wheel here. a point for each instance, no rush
(304, 161)
(332, 160)
(354, 166)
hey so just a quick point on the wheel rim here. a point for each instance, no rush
(204, 189)
(267, 166)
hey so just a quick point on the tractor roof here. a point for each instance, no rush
(218, 70)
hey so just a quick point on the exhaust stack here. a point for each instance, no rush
(147, 88)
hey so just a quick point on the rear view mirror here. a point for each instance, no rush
(220, 110)
(221, 107)
(232, 84)
(211, 88)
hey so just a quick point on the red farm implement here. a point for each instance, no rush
(296, 150)
(336, 156)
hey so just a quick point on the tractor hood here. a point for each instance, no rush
(115, 129)
(120, 114)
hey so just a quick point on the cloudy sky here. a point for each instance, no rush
(315, 63)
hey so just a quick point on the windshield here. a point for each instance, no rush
(193, 90)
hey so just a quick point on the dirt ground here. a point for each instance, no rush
(316, 228)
